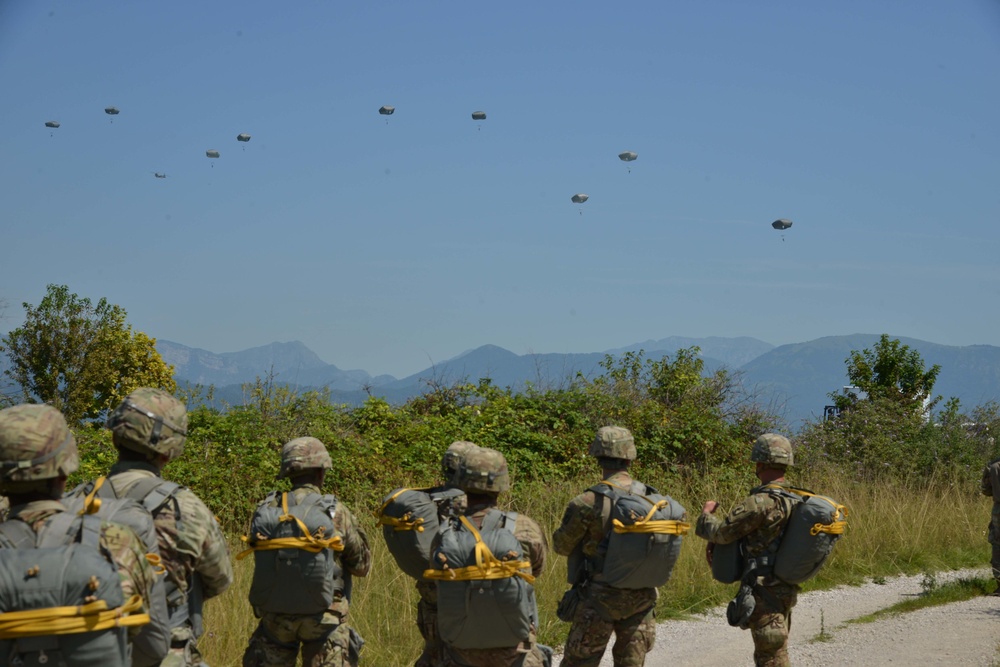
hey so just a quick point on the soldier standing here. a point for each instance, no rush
(759, 521)
(307, 545)
(149, 429)
(103, 561)
(602, 609)
(991, 487)
(485, 562)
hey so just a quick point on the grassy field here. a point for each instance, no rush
(894, 526)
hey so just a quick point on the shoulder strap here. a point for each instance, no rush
(16, 534)
(154, 493)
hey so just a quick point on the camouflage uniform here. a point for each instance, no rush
(759, 520)
(28, 432)
(427, 607)
(991, 487)
(325, 638)
(4, 508)
(153, 422)
(604, 609)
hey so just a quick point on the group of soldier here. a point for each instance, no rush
(308, 546)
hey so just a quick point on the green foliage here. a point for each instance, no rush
(80, 357)
(891, 371)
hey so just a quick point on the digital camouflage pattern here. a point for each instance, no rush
(302, 454)
(483, 470)
(324, 637)
(36, 445)
(150, 421)
(773, 449)
(193, 545)
(991, 487)
(758, 521)
(613, 442)
(4, 508)
(603, 609)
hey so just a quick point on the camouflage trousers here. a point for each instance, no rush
(629, 614)
(324, 640)
(526, 655)
(993, 535)
(183, 649)
(427, 622)
(770, 623)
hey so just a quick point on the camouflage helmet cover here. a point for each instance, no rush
(453, 457)
(772, 449)
(303, 454)
(150, 421)
(483, 470)
(35, 445)
(613, 442)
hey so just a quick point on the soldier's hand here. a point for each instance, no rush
(709, 507)
(709, 550)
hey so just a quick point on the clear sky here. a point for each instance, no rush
(390, 243)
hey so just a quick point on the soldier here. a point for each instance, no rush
(149, 429)
(991, 487)
(427, 610)
(498, 629)
(601, 608)
(759, 522)
(307, 546)
(37, 453)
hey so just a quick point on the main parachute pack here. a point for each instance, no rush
(410, 521)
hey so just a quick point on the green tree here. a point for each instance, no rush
(81, 357)
(891, 371)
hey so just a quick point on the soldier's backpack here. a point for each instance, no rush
(410, 521)
(61, 600)
(642, 547)
(152, 643)
(485, 594)
(296, 570)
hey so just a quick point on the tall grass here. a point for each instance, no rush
(895, 526)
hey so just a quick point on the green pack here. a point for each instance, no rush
(815, 525)
(69, 568)
(301, 574)
(410, 520)
(486, 597)
(642, 547)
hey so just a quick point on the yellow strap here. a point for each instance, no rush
(839, 524)
(647, 524)
(402, 523)
(91, 617)
(391, 498)
(487, 565)
(306, 542)
(91, 503)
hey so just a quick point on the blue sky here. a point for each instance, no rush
(390, 246)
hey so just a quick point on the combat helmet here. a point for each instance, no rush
(453, 457)
(36, 445)
(613, 442)
(301, 455)
(150, 421)
(483, 470)
(772, 449)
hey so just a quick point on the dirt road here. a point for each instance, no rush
(960, 634)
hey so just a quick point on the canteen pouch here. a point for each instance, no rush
(566, 610)
(741, 607)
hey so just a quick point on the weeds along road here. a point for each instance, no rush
(965, 634)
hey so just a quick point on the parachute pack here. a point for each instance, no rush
(61, 598)
(815, 525)
(485, 594)
(296, 570)
(642, 547)
(409, 520)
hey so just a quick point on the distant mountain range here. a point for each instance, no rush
(794, 379)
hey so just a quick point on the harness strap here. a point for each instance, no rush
(647, 525)
(839, 523)
(306, 541)
(90, 617)
(487, 565)
(405, 522)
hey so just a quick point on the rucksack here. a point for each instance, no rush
(410, 521)
(296, 570)
(97, 497)
(61, 599)
(484, 583)
(642, 547)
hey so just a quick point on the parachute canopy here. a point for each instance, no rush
(159, 175)
(211, 153)
(51, 123)
(628, 156)
(242, 137)
(781, 224)
(111, 111)
(386, 110)
(579, 198)
(478, 115)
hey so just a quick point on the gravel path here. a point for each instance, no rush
(964, 633)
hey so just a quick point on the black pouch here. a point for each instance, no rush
(354, 647)
(741, 607)
(566, 610)
(547, 654)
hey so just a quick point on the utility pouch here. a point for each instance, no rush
(741, 607)
(354, 646)
(566, 610)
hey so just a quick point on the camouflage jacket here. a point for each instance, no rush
(991, 483)
(585, 523)
(121, 542)
(190, 543)
(356, 558)
(4, 508)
